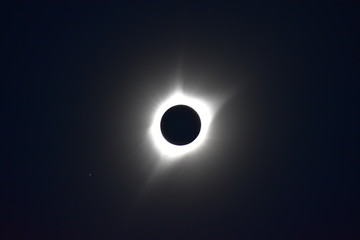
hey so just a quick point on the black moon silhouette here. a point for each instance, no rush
(180, 125)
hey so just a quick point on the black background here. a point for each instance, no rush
(78, 81)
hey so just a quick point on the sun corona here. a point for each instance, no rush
(170, 151)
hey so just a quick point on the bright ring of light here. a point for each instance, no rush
(170, 151)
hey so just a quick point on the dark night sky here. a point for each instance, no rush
(77, 82)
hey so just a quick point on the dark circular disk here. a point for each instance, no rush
(180, 125)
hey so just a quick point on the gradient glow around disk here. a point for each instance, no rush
(170, 151)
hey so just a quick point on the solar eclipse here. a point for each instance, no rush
(181, 124)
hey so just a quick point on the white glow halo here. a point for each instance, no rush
(170, 151)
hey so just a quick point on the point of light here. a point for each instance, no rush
(170, 151)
